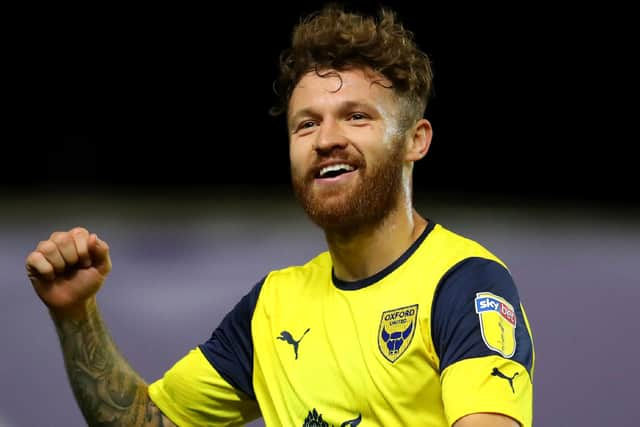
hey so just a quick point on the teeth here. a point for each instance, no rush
(333, 168)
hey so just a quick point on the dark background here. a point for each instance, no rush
(528, 101)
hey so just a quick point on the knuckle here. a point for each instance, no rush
(55, 235)
(31, 259)
(61, 238)
(36, 263)
(79, 231)
(46, 246)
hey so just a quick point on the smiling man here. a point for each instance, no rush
(347, 150)
(400, 323)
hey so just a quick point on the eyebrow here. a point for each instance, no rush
(347, 105)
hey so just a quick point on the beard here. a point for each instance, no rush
(356, 205)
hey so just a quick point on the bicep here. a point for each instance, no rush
(484, 344)
(192, 392)
(486, 420)
(477, 313)
(214, 380)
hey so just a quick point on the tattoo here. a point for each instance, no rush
(155, 418)
(109, 392)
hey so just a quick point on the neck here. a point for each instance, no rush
(358, 254)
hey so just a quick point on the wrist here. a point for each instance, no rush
(80, 311)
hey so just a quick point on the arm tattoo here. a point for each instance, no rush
(109, 392)
(155, 418)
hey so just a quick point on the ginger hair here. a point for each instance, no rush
(333, 39)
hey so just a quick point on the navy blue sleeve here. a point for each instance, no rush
(468, 290)
(230, 348)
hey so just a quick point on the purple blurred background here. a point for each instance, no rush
(181, 263)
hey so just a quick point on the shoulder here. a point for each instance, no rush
(294, 285)
(455, 248)
(293, 280)
(296, 274)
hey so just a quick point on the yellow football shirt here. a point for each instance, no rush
(437, 335)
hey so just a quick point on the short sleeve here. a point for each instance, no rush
(213, 384)
(483, 340)
(192, 393)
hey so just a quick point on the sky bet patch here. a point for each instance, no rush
(497, 323)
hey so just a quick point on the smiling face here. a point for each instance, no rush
(346, 148)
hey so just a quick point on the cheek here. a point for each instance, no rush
(296, 159)
(391, 126)
(379, 146)
(391, 136)
(378, 139)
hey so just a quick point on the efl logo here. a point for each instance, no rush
(491, 302)
(497, 323)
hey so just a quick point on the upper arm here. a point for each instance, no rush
(477, 313)
(484, 343)
(230, 348)
(486, 420)
(214, 380)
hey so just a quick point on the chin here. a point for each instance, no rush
(359, 203)
(340, 212)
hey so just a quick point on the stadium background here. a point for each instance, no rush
(165, 148)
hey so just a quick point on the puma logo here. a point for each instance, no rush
(286, 336)
(496, 373)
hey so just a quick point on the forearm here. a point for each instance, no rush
(109, 392)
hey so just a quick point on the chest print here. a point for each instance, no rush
(288, 338)
(396, 330)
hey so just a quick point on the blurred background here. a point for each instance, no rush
(164, 146)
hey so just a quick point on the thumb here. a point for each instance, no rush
(99, 252)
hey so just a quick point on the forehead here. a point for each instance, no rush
(332, 87)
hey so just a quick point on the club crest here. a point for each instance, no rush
(497, 323)
(397, 328)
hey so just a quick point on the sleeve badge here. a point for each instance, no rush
(497, 323)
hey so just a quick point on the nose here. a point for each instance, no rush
(330, 136)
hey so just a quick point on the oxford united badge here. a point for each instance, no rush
(396, 331)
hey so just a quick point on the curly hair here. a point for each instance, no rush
(340, 40)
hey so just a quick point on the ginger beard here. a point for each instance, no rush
(363, 203)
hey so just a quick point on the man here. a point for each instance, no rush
(400, 323)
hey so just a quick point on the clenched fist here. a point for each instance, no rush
(68, 270)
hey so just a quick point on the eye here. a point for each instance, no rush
(357, 116)
(307, 124)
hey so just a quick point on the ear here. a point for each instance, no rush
(419, 140)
